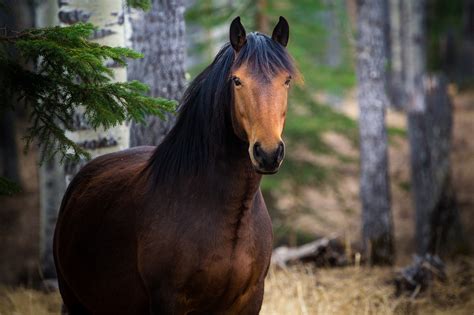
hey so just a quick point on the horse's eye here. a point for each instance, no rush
(236, 81)
(287, 82)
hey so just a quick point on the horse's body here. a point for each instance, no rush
(177, 229)
(204, 248)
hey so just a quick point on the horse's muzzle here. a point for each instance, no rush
(268, 162)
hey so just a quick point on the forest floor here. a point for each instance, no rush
(305, 290)
(326, 204)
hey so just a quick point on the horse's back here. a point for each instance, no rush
(95, 239)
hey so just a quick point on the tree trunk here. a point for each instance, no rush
(332, 20)
(438, 226)
(414, 46)
(8, 150)
(108, 16)
(415, 68)
(377, 226)
(15, 17)
(397, 88)
(52, 183)
(159, 35)
(18, 252)
(430, 128)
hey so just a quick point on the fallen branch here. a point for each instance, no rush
(324, 251)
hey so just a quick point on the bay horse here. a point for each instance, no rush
(182, 228)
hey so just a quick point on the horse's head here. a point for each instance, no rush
(261, 77)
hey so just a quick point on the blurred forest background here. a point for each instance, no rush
(378, 178)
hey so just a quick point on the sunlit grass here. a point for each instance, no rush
(23, 301)
(304, 290)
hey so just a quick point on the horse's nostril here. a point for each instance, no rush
(268, 161)
(257, 151)
(280, 151)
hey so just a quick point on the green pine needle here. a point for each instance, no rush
(71, 72)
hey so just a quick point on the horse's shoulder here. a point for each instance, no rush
(113, 171)
(117, 160)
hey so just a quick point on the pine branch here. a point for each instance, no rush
(71, 73)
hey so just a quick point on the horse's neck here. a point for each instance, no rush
(239, 181)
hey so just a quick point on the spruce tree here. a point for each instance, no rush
(70, 71)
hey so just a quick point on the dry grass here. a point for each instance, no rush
(21, 301)
(305, 290)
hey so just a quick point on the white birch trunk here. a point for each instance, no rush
(108, 16)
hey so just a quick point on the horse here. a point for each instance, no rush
(182, 228)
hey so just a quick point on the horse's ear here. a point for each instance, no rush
(237, 35)
(281, 33)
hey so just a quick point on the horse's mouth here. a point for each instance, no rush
(267, 172)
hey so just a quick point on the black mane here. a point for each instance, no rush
(204, 124)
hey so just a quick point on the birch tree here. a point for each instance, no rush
(108, 16)
(377, 226)
(91, 135)
(76, 96)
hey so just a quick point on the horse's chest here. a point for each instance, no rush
(215, 263)
(227, 275)
(234, 266)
